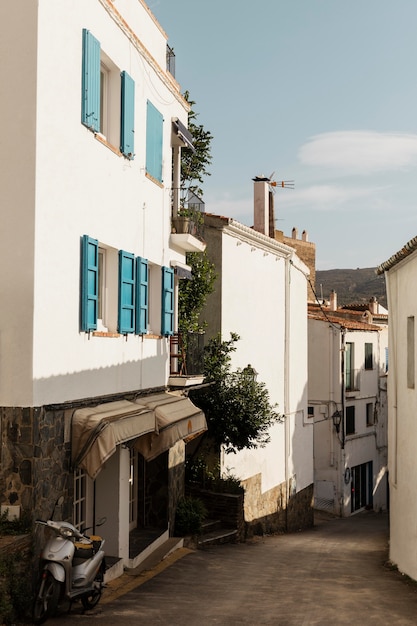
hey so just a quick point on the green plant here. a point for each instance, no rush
(189, 516)
(15, 589)
(236, 405)
(194, 164)
(20, 526)
(193, 293)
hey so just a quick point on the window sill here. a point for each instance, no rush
(108, 145)
(102, 333)
(151, 336)
(154, 180)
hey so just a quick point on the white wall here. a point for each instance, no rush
(75, 185)
(258, 287)
(402, 411)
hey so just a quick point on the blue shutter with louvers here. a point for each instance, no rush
(89, 283)
(126, 323)
(90, 106)
(167, 321)
(142, 296)
(154, 128)
(127, 121)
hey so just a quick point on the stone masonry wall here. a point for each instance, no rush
(270, 512)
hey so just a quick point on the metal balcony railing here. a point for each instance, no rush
(187, 213)
(187, 354)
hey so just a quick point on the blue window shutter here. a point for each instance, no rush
(127, 121)
(90, 106)
(154, 129)
(126, 322)
(142, 295)
(89, 283)
(167, 321)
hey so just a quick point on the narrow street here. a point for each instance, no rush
(335, 573)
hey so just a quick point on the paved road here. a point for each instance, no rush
(333, 574)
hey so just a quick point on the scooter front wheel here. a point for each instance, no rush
(47, 598)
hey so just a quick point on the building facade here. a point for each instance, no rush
(400, 274)
(94, 125)
(347, 398)
(261, 294)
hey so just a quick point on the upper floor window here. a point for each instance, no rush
(108, 97)
(116, 292)
(370, 414)
(154, 137)
(350, 420)
(369, 361)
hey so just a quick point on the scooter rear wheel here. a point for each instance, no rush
(47, 598)
(90, 600)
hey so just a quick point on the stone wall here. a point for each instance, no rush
(34, 458)
(228, 508)
(272, 512)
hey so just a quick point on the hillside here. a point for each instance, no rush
(351, 286)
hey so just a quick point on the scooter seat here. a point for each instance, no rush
(83, 550)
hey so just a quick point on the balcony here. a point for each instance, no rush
(170, 60)
(187, 221)
(186, 360)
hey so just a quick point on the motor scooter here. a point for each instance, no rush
(72, 568)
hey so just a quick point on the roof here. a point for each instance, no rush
(352, 320)
(407, 250)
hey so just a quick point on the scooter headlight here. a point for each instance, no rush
(65, 532)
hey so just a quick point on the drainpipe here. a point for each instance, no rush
(176, 180)
(341, 471)
(287, 378)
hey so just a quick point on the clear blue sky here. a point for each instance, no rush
(322, 92)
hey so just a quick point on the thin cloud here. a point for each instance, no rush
(330, 197)
(360, 151)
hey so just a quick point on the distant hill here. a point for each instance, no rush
(351, 286)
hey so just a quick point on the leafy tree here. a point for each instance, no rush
(236, 405)
(193, 293)
(194, 164)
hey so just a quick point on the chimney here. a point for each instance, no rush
(304, 235)
(333, 300)
(373, 305)
(261, 222)
(294, 233)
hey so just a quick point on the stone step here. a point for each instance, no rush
(217, 536)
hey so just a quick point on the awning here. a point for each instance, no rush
(155, 423)
(183, 134)
(96, 431)
(181, 269)
(176, 418)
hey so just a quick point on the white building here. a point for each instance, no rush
(261, 294)
(347, 402)
(400, 276)
(93, 125)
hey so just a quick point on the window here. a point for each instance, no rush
(154, 130)
(89, 283)
(410, 353)
(142, 296)
(350, 420)
(108, 97)
(310, 411)
(370, 417)
(167, 314)
(349, 366)
(369, 362)
(127, 289)
(82, 509)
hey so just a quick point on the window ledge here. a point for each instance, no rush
(108, 145)
(102, 333)
(151, 336)
(154, 180)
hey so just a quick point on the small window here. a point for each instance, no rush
(350, 420)
(99, 286)
(154, 136)
(370, 417)
(410, 353)
(369, 361)
(82, 504)
(310, 411)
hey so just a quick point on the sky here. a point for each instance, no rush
(319, 92)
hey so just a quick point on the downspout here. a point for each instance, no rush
(288, 263)
(176, 180)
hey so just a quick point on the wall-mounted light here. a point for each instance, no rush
(250, 373)
(337, 418)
